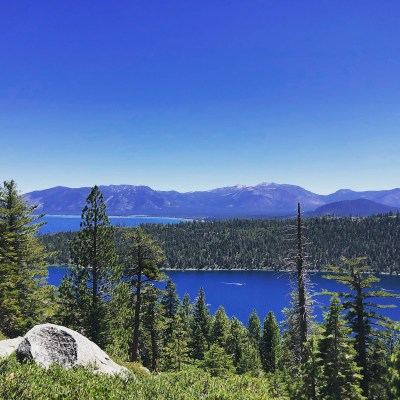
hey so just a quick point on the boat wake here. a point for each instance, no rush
(233, 283)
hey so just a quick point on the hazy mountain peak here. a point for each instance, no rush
(267, 184)
(344, 191)
(240, 186)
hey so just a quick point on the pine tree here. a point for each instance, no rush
(186, 312)
(176, 351)
(120, 316)
(378, 358)
(301, 283)
(152, 327)
(217, 362)
(299, 315)
(94, 258)
(395, 373)
(361, 314)
(200, 327)
(245, 357)
(270, 343)
(23, 270)
(170, 301)
(310, 370)
(341, 375)
(254, 330)
(73, 302)
(249, 361)
(220, 328)
(140, 257)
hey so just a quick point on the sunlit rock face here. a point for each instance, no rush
(47, 344)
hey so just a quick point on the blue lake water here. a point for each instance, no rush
(242, 291)
(64, 223)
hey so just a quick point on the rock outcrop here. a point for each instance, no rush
(8, 346)
(47, 344)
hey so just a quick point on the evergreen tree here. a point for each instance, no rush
(254, 329)
(238, 346)
(199, 327)
(176, 351)
(310, 371)
(94, 259)
(170, 301)
(341, 375)
(217, 362)
(379, 362)
(303, 317)
(140, 257)
(220, 328)
(395, 373)
(299, 315)
(24, 297)
(249, 361)
(73, 301)
(360, 307)
(153, 325)
(120, 316)
(186, 312)
(270, 343)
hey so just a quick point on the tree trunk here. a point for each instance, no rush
(361, 341)
(301, 283)
(135, 342)
(95, 312)
(154, 349)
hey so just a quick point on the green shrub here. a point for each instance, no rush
(30, 382)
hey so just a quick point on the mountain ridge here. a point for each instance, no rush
(267, 199)
(352, 208)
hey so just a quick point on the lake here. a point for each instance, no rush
(242, 291)
(64, 223)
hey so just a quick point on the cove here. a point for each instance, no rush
(242, 291)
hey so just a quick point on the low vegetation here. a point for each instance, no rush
(28, 381)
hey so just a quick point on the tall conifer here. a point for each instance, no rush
(23, 268)
(254, 329)
(361, 309)
(341, 375)
(94, 259)
(140, 257)
(200, 327)
(170, 301)
(220, 328)
(270, 343)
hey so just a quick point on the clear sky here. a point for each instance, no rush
(197, 94)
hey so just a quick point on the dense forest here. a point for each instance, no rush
(110, 297)
(264, 244)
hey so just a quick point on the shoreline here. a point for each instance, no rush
(240, 269)
(118, 216)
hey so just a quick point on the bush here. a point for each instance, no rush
(30, 382)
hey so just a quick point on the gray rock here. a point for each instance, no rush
(47, 344)
(8, 346)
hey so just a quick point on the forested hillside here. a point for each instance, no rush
(264, 244)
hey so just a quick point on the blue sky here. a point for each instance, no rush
(192, 95)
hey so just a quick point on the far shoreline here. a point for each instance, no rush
(240, 269)
(118, 216)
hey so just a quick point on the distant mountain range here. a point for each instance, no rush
(265, 199)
